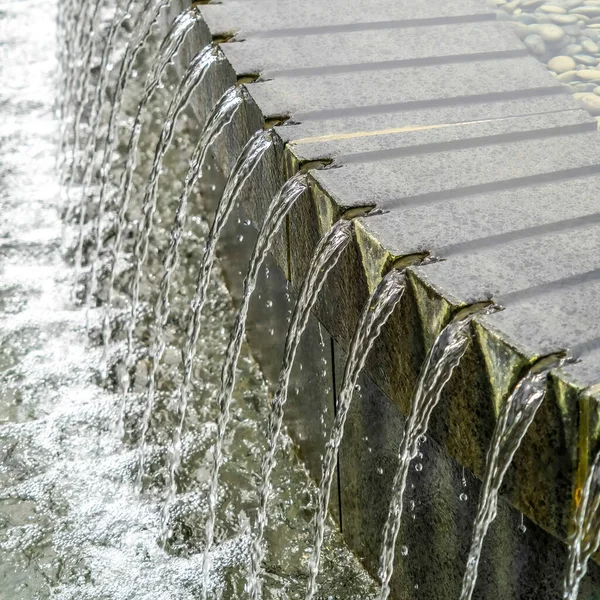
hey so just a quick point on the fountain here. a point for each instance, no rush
(174, 477)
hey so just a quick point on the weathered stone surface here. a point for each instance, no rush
(324, 131)
(368, 50)
(282, 17)
(414, 139)
(435, 177)
(327, 96)
(465, 222)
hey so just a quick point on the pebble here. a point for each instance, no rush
(590, 47)
(552, 8)
(568, 77)
(588, 11)
(589, 75)
(535, 44)
(564, 19)
(591, 103)
(572, 49)
(548, 32)
(561, 64)
(586, 60)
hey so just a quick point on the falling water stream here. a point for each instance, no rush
(150, 14)
(378, 309)
(443, 358)
(516, 416)
(193, 77)
(325, 257)
(83, 89)
(249, 158)
(276, 213)
(586, 538)
(95, 113)
(217, 122)
(167, 51)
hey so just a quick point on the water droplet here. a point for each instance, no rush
(404, 550)
(418, 467)
(416, 586)
(240, 238)
(247, 222)
(463, 497)
(269, 303)
(271, 331)
(380, 470)
(522, 529)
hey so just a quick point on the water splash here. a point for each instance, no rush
(193, 77)
(151, 12)
(278, 209)
(586, 538)
(378, 309)
(326, 256)
(167, 51)
(249, 158)
(443, 358)
(515, 418)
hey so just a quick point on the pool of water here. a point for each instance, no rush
(71, 523)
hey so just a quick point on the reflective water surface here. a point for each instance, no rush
(71, 523)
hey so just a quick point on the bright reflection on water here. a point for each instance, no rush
(71, 526)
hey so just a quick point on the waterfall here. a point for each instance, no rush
(220, 118)
(276, 213)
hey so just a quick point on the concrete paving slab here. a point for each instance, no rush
(326, 131)
(412, 140)
(354, 94)
(429, 178)
(501, 270)
(553, 317)
(286, 17)
(369, 50)
(467, 222)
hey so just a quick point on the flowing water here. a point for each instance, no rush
(249, 158)
(378, 309)
(276, 213)
(193, 78)
(150, 14)
(71, 524)
(167, 51)
(586, 538)
(326, 256)
(95, 113)
(83, 87)
(217, 122)
(514, 420)
(443, 358)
